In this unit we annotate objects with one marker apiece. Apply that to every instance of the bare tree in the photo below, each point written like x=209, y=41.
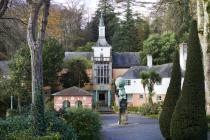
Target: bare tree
x=203, y=14
x=3, y=6
x=39, y=9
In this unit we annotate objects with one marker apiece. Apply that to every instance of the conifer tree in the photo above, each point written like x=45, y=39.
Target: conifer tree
x=171, y=98
x=189, y=118
x=126, y=36
x=110, y=20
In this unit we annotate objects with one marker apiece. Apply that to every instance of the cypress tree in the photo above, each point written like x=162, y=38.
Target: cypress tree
x=171, y=98
x=189, y=118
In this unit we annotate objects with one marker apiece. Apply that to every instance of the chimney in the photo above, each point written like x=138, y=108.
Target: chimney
x=183, y=55
x=149, y=60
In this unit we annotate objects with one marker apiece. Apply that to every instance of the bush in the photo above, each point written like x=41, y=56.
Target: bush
x=171, y=98
x=19, y=128
x=132, y=109
x=56, y=124
x=27, y=134
x=85, y=122
x=147, y=109
x=189, y=118
x=13, y=125
x=11, y=112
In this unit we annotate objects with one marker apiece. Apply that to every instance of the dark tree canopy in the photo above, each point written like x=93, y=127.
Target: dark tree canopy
x=76, y=75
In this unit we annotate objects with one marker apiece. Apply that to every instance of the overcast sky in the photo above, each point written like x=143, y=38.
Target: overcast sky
x=91, y=5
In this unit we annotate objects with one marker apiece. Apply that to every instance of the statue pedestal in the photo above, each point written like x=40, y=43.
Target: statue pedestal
x=123, y=116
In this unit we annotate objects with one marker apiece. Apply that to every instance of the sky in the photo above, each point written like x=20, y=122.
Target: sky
x=91, y=5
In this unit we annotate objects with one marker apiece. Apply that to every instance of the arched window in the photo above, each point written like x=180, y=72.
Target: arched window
x=78, y=104
x=66, y=104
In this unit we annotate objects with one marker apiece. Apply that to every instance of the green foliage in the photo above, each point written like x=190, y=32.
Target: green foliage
x=26, y=135
x=12, y=112
x=171, y=98
x=86, y=48
x=143, y=30
x=189, y=118
x=149, y=78
x=57, y=124
x=20, y=128
x=13, y=125
x=53, y=55
x=85, y=122
x=126, y=35
x=77, y=75
x=161, y=47
x=110, y=21
x=147, y=109
x=20, y=66
x=132, y=109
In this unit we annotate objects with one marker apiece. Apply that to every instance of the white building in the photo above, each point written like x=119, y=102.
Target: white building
x=134, y=87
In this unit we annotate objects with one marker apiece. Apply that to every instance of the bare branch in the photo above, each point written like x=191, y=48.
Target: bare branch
x=13, y=18
x=3, y=6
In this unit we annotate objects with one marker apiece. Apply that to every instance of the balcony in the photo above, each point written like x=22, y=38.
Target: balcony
x=102, y=59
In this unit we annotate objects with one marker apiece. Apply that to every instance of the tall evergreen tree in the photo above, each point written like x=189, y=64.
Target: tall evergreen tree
x=110, y=20
x=127, y=34
x=189, y=118
x=171, y=98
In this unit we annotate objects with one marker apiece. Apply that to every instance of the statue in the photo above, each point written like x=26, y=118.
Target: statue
x=120, y=83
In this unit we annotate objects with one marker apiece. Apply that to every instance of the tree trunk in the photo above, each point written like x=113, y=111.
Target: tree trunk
x=37, y=92
x=203, y=28
x=145, y=95
x=35, y=37
x=19, y=104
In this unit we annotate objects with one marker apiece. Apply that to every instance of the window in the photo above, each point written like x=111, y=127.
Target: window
x=102, y=73
x=159, y=98
x=129, y=97
x=127, y=82
x=159, y=83
x=66, y=104
x=141, y=96
x=78, y=104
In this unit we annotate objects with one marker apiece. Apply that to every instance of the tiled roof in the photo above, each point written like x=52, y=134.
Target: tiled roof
x=164, y=70
x=72, y=91
x=125, y=59
x=119, y=59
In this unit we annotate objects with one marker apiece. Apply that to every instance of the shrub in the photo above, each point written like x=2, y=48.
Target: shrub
x=27, y=134
x=11, y=112
x=85, y=122
x=147, y=109
x=171, y=98
x=13, y=125
x=132, y=109
x=19, y=128
x=189, y=118
x=56, y=124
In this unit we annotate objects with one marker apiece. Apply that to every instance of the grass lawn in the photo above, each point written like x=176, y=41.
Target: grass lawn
x=154, y=116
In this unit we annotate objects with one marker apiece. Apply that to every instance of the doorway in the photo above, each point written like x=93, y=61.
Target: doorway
x=102, y=98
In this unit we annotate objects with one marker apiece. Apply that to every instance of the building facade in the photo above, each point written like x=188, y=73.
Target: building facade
x=102, y=69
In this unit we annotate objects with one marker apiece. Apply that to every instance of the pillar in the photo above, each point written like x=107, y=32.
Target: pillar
x=109, y=99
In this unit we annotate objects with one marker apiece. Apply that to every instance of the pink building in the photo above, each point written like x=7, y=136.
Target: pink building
x=73, y=97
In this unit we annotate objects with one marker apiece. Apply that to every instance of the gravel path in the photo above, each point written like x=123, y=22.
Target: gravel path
x=139, y=128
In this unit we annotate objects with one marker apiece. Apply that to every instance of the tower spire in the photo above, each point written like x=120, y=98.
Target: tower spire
x=101, y=27
x=101, y=23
